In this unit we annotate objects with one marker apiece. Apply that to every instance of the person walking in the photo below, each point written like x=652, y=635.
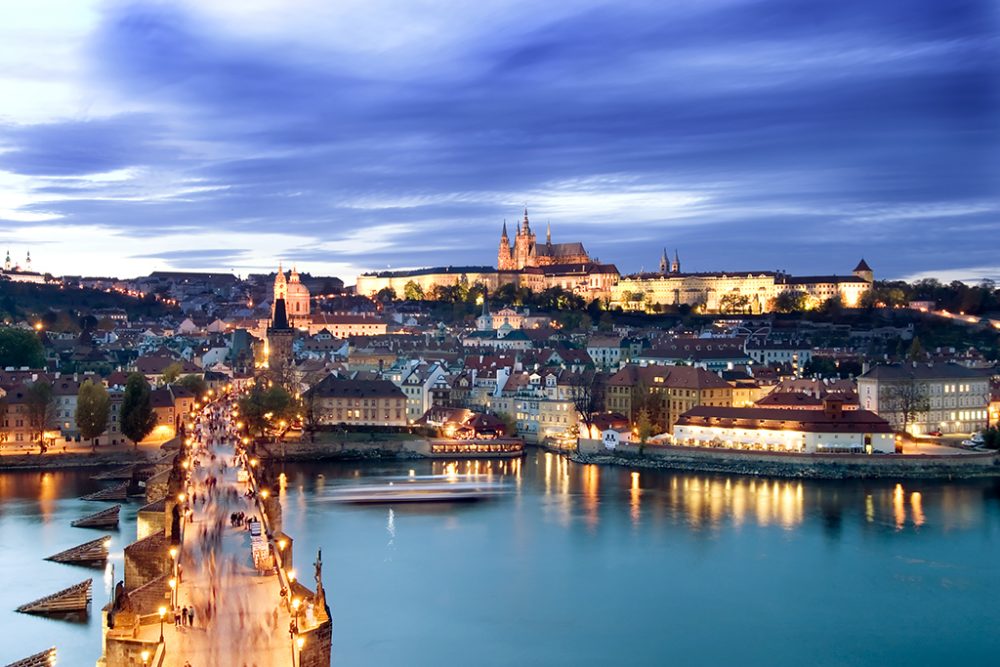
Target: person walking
x=184, y=615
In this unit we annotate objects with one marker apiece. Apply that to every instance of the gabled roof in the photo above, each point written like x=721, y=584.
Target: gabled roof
x=862, y=266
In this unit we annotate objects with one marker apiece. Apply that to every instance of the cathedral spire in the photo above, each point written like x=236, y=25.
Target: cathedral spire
x=503, y=234
x=548, y=232
x=676, y=266
x=526, y=227
x=663, y=262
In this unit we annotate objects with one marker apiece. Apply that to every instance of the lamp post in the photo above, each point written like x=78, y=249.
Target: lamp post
x=173, y=592
x=145, y=658
x=163, y=612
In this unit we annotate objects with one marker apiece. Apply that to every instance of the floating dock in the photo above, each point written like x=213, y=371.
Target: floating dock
x=104, y=519
x=93, y=553
x=74, y=598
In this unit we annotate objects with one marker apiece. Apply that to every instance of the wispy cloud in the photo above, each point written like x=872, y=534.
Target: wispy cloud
x=364, y=134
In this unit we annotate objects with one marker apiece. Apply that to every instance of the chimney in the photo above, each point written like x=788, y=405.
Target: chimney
x=833, y=406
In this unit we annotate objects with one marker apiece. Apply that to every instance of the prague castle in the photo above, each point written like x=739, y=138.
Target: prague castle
x=526, y=253
x=526, y=263
x=538, y=266
x=734, y=291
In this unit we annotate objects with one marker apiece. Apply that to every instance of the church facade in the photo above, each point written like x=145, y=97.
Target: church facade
x=525, y=252
x=523, y=263
x=295, y=295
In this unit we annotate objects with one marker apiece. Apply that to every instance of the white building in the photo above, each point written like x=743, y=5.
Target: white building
x=949, y=398
x=787, y=430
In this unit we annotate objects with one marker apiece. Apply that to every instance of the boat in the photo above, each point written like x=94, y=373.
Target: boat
x=417, y=491
x=500, y=448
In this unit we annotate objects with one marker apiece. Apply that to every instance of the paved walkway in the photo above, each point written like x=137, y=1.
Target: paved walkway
x=239, y=620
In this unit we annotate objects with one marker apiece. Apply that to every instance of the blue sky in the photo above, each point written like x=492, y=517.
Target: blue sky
x=364, y=134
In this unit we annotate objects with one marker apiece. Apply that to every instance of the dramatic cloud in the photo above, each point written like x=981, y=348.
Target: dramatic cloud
x=749, y=134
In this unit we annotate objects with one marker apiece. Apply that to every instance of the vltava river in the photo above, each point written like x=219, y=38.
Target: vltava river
x=580, y=565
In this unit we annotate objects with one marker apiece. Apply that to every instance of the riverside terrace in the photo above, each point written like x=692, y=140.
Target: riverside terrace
x=248, y=606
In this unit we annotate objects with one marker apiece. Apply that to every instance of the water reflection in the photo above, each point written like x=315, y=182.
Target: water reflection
x=593, y=495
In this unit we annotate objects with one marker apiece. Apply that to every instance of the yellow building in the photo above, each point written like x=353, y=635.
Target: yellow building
x=738, y=292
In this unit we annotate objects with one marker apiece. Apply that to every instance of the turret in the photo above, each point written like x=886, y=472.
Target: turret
x=863, y=271
x=676, y=266
x=7, y=263
x=504, y=259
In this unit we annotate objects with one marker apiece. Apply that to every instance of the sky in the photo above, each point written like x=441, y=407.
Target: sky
x=352, y=135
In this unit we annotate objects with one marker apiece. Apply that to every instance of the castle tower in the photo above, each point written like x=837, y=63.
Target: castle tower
x=524, y=244
x=7, y=266
x=505, y=262
x=27, y=262
x=863, y=271
x=280, y=288
x=676, y=266
x=280, y=337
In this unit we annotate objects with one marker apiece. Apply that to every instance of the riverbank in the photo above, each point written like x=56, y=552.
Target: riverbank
x=801, y=466
x=346, y=450
x=58, y=461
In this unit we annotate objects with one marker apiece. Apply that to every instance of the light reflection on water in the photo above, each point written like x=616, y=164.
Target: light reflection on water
x=578, y=557
x=36, y=508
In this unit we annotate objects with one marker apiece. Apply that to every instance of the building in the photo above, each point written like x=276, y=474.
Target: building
x=339, y=401
x=751, y=292
x=18, y=274
x=665, y=392
x=525, y=264
x=525, y=252
x=828, y=430
x=295, y=295
x=280, y=339
x=927, y=398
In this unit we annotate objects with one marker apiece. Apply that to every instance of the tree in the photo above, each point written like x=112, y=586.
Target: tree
x=643, y=427
x=172, y=372
x=20, y=348
x=905, y=401
x=137, y=416
x=413, y=292
x=40, y=402
x=386, y=295
x=734, y=302
x=586, y=395
x=916, y=351
x=266, y=405
x=790, y=302
x=92, y=408
x=195, y=384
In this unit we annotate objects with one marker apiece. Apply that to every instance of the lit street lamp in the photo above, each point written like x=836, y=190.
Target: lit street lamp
x=163, y=612
x=145, y=658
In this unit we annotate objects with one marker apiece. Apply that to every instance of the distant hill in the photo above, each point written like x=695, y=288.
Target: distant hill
x=31, y=301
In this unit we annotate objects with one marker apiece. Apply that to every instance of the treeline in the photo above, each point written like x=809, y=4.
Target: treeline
x=955, y=296
x=61, y=308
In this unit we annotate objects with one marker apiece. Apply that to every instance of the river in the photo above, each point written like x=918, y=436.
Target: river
x=581, y=565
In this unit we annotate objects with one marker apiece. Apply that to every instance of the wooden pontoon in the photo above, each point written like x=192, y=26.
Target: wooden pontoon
x=104, y=519
x=124, y=472
x=116, y=492
x=44, y=659
x=93, y=553
x=74, y=598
